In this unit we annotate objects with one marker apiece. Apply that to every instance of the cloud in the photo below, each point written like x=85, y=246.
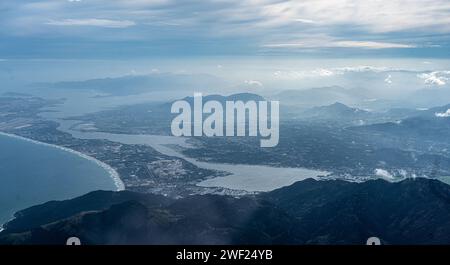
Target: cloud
x=306, y=21
x=298, y=75
x=234, y=26
x=443, y=114
x=375, y=16
x=336, y=71
x=388, y=79
x=253, y=83
x=438, y=78
x=370, y=45
x=368, y=68
x=323, y=72
x=95, y=22
x=340, y=44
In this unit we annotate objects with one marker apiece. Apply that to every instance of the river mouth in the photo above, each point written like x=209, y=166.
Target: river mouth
x=240, y=177
x=249, y=178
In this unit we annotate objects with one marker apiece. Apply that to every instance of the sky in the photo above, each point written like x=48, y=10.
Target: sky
x=114, y=29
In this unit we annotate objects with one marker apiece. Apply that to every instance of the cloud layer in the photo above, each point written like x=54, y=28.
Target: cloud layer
x=106, y=23
x=230, y=26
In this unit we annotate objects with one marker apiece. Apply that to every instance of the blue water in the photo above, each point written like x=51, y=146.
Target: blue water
x=31, y=174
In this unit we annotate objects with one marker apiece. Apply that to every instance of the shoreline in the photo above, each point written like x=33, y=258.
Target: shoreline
x=113, y=174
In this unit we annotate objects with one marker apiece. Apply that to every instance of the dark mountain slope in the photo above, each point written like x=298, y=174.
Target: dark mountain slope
x=307, y=212
x=93, y=201
x=409, y=212
x=208, y=219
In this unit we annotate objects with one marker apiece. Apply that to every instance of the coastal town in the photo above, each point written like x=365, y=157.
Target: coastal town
x=140, y=167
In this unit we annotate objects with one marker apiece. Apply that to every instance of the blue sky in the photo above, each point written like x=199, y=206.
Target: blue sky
x=77, y=29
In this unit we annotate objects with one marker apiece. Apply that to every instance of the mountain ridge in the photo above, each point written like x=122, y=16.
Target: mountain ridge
x=413, y=211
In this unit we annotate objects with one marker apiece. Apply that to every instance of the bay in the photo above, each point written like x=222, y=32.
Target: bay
x=32, y=173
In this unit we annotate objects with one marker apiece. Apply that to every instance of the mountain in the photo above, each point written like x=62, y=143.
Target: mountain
x=432, y=125
x=401, y=113
x=150, y=118
x=245, y=97
x=337, y=112
x=413, y=211
x=321, y=96
x=137, y=84
x=343, y=115
x=436, y=112
x=95, y=201
x=342, y=213
x=208, y=219
x=430, y=96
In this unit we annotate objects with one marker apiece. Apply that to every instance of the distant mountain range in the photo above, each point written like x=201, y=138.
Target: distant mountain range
x=152, y=118
x=429, y=97
x=343, y=115
x=432, y=124
x=337, y=112
x=233, y=97
x=138, y=84
x=320, y=96
x=414, y=211
x=362, y=97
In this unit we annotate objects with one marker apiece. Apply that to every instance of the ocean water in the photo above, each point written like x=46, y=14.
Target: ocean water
x=33, y=173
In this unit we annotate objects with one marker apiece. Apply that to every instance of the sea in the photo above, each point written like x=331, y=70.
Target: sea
x=33, y=173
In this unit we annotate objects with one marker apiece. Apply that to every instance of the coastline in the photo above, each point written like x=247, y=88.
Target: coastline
x=114, y=175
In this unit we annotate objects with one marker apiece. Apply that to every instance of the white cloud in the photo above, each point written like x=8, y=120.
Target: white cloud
x=370, y=45
x=367, y=68
x=95, y=22
x=339, y=44
x=383, y=173
x=141, y=3
x=335, y=71
x=323, y=72
x=388, y=79
x=376, y=16
x=438, y=78
x=253, y=83
x=306, y=21
x=443, y=114
x=297, y=75
x=273, y=24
